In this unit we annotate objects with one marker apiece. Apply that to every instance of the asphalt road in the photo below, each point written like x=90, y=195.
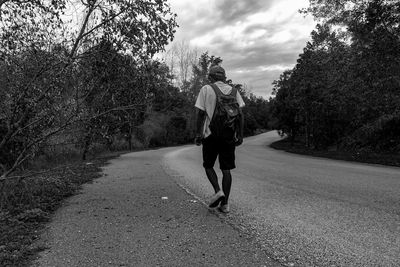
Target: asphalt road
x=305, y=211
x=137, y=215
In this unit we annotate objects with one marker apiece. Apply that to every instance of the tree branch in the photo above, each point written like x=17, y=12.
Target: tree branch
x=2, y=2
x=24, y=155
x=122, y=108
x=15, y=126
x=26, y=126
x=35, y=173
x=102, y=23
x=21, y=158
x=81, y=32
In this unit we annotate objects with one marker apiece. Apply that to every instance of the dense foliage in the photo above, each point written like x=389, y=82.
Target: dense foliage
x=61, y=83
x=344, y=90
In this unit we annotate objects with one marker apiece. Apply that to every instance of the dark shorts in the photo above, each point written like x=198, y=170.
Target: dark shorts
x=213, y=148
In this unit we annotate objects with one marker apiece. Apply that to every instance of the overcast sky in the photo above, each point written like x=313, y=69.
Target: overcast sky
x=257, y=39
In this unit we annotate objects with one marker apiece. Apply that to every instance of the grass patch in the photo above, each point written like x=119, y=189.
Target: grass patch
x=357, y=156
x=26, y=206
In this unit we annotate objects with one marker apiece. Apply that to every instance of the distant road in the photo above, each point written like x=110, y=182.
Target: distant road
x=306, y=211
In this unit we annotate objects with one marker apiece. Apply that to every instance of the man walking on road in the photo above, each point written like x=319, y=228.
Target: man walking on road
x=219, y=127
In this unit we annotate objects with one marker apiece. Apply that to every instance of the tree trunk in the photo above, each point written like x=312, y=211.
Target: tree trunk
x=130, y=137
x=87, y=143
x=307, y=130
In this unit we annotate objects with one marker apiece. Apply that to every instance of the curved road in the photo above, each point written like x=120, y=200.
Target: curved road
x=303, y=210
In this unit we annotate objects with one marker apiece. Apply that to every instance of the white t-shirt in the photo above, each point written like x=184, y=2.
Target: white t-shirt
x=206, y=101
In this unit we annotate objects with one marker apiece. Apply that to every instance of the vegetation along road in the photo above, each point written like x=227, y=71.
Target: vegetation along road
x=306, y=211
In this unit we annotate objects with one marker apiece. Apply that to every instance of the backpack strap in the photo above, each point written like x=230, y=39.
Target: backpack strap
x=216, y=89
x=234, y=91
x=218, y=92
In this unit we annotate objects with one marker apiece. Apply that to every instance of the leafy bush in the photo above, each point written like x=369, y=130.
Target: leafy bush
x=381, y=135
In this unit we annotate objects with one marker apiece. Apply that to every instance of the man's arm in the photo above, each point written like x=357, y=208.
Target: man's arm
x=241, y=126
x=200, y=117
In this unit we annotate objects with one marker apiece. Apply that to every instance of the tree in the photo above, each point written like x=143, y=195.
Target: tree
x=285, y=106
x=346, y=80
x=39, y=58
x=200, y=74
x=140, y=28
x=28, y=25
x=181, y=58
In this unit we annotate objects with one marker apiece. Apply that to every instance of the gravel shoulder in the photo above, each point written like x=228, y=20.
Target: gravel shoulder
x=136, y=215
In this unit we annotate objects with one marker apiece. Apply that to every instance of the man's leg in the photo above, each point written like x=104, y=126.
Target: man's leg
x=226, y=185
x=213, y=178
x=210, y=154
x=227, y=163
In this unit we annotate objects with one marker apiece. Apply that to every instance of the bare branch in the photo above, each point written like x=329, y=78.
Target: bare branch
x=81, y=32
x=3, y=2
x=71, y=120
x=15, y=126
x=27, y=126
x=21, y=158
x=122, y=108
x=30, y=174
x=23, y=155
x=102, y=23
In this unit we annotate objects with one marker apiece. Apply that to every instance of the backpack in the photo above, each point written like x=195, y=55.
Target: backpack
x=225, y=120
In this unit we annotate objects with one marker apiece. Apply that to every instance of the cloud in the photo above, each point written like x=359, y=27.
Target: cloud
x=231, y=11
x=257, y=81
x=257, y=39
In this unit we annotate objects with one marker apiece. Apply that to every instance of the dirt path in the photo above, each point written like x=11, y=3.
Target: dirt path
x=124, y=219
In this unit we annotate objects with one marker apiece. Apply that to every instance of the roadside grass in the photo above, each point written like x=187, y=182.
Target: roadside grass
x=357, y=156
x=27, y=204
